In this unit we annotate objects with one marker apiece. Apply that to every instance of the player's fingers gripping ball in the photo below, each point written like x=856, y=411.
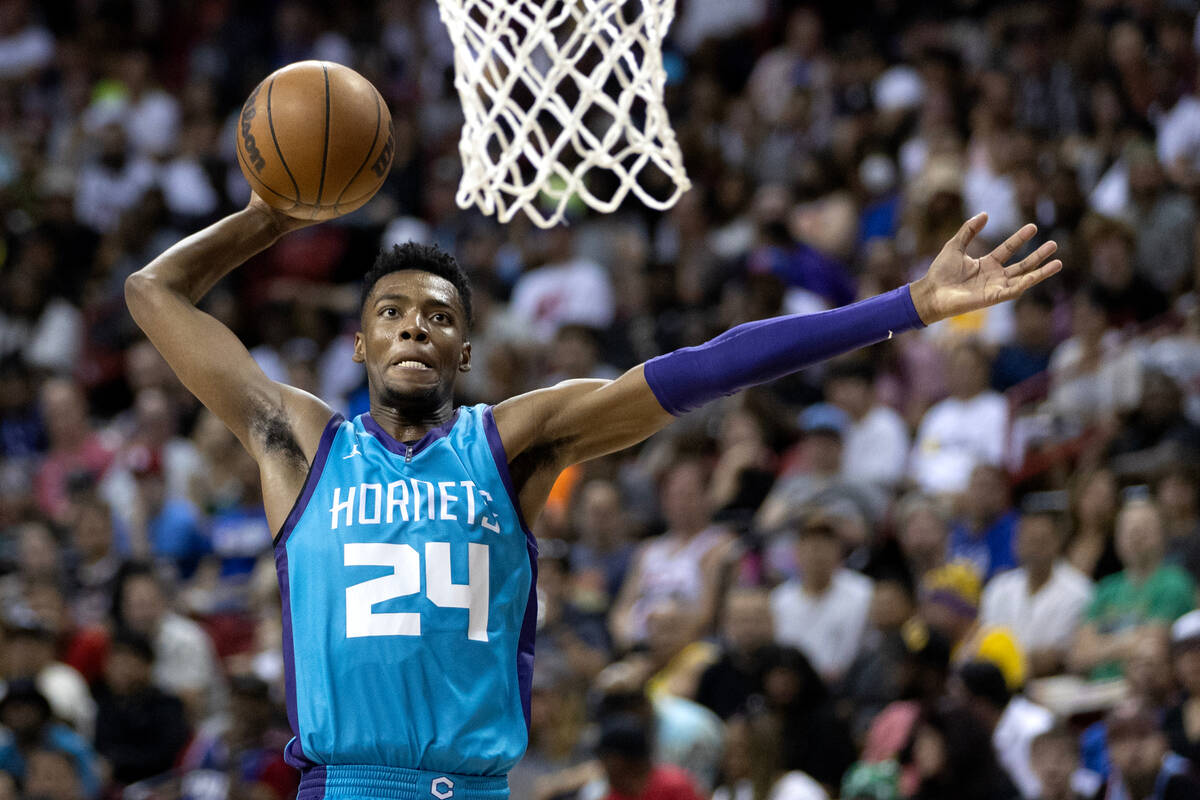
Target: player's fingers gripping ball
x=315, y=140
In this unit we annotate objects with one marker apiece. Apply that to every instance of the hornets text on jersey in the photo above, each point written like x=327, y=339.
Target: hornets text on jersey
x=406, y=573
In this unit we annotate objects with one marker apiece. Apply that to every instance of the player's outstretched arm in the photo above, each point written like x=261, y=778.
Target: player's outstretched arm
x=208, y=358
x=578, y=420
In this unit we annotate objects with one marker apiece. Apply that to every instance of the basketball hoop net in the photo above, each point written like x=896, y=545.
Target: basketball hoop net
x=563, y=103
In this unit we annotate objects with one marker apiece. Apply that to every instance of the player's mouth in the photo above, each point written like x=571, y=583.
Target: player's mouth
x=412, y=364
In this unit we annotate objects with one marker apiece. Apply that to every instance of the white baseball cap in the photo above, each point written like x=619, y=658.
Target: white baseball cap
x=1186, y=629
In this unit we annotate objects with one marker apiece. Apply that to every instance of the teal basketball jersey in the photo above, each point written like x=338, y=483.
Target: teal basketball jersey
x=407, y=578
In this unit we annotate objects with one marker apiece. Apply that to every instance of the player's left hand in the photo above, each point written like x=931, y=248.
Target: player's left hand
x=957, y=283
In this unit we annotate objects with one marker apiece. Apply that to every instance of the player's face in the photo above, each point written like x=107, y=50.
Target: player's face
x=413, y=339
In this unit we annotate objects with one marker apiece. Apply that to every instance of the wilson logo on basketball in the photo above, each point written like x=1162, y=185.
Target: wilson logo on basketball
x=381, y=165
x=248, y=143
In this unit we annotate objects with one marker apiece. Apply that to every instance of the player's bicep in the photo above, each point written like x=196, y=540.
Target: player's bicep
x=582, y=419
x=212, y=363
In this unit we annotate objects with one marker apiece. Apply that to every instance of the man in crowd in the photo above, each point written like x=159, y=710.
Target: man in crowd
x=1136, y=603
x=1042, y=601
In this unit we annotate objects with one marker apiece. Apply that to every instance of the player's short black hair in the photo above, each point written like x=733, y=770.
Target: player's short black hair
x=424, y=258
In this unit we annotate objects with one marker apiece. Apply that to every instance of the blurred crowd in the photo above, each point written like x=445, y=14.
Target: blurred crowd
x=959, y=564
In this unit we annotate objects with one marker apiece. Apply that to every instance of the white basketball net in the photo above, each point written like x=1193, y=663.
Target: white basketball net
x=554, y=89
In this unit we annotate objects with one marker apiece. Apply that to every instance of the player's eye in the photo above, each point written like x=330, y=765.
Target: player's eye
x=440, y=318
x=389, y=311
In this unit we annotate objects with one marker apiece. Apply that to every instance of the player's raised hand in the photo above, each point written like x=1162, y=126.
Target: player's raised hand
x=957, y=282
x=281, y=222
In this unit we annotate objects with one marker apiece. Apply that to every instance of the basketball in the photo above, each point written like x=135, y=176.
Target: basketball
x=314, y=140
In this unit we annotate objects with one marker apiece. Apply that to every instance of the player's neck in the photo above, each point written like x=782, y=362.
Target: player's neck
x=409, y=425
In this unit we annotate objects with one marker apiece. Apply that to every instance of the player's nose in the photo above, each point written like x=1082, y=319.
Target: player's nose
x=414, y=328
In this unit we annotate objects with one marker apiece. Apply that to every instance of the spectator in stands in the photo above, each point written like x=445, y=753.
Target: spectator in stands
x=1143, y=765
x=140, y=729
x=603, y=549
x=949, y=603
x=1135, y=603
x=1093, y=375
x=1043, y=601
x=985, y=532
x=823, y=611
x=1012, y=720
x=74, y=446
x=1094, y=504
x=83, y=648
x=1033, y=341
x=966, y=429
x=745, y=469
x=814, y=472
x=876, y=676
x=1182, y=721
x=876, y=444
x=29, y=727
x=1128, y=297
x=953, y=758
x=747, y=632
x=26, y=46
x=246, y=744
x=812, y=738
x=624, y=751
x=170, y=526
x=1157, y=433
x=1177, y=493
x=565, y=288
x=1054, y=757
x=685, y=562
x=29, y=650
x=1164, y=219
x=51, y=774
x=573, y=635
x=185, y=663
x=94, y=561
x=1149, y=686
x=923, y=535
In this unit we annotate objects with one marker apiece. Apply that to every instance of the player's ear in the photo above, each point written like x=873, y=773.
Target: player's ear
x=464, y=362
x=360, y=349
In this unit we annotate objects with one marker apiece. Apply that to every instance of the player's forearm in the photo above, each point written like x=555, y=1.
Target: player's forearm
x=762, y=351
x=194, y=265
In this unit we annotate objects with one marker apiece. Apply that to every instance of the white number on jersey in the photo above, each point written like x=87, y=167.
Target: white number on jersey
x=406, y=580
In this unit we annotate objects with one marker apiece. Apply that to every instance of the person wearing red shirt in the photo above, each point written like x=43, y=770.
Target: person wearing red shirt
x=624, y=751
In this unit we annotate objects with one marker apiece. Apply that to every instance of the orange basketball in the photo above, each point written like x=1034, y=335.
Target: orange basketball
x=315, y=140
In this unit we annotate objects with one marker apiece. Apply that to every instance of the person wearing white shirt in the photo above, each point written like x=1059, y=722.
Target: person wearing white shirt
x=823, y=613
x=969, y=427
x=1043, y=601
x=875, y=444
x=566, y=289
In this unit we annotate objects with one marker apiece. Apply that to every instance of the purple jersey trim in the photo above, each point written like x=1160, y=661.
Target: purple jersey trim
x=310, y=480
x=292, y=753
x=312, y=782
x=525, y=643
x=401, y=448
x=528, y=634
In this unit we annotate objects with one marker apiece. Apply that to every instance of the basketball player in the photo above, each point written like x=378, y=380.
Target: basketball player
x=404, y=553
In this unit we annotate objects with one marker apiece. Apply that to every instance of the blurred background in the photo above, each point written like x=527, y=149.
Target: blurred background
x=960, y=564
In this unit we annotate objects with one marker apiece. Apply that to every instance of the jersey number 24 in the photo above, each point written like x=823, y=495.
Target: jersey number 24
x=405, y=580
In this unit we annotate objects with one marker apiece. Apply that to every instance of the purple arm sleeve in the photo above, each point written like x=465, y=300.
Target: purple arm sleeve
x=762, y=351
